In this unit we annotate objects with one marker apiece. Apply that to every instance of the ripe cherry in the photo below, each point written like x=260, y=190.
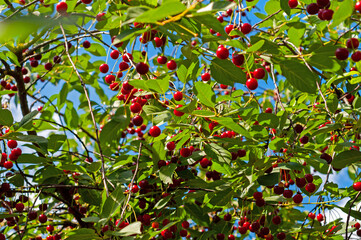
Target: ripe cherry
x=62, y=7
x=137, y=120
x=311, y=215
x=135, y=189
x=312, y=8
x=252, y=83
x=276, y=220
x=297, y=198
x=50, y=228
x=185, y=152
x=19, y=207
x=257, y=195
x=123, y=66
x=183, y=233
x=309, y=178
x=358, y=6
x=170, y=146
x=341, y=53
x=158, y=42
x=86, y=1
x=142, y=68
x=12, y=144
x=356, y=56
x=135, y=107
x=229, y=28
x=304, y=139
x=114, y=54
x=171, y=65
x=162, y=59
x=357, y=186
x=127, y=57
x=99, y=17
x=319, y=217
x=178, y=96
x=259, y=73
x=246, y=28
x=220, y=19
x=104, y=68
x=237, y=59
x=43, y=218
x=222, y=53
x=206, y=77
x=310, y=187
x=154, y=131
x=178, y=113
x=268, y=110
x=292, y=3
x=185, y=224
x=86, y=44
x=281, y=236
x=109, y=79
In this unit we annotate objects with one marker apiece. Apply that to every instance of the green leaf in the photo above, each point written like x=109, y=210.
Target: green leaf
x=131, y=229
x=90, y=196
x=342, y=12
x=285, y=7
x=97, y=50
x=217, y=6
x=205, y=94
x=55, y=141
x=162, y=202
x=229, y=123
x=225, y=72
x=6, y=118
x=83, y=234
x=269, y=179
x=166, y=173
x=197, y=214
x=27, y=118
x=159, y=85
x=268, y=119
x=217, y=152
x=128, y=34
x=31, y=159
x=168, y=8
x=346, y=158
x=112, y=203
x=62, y=95
x=299, y=76
x=255, y=47
x=91, y=219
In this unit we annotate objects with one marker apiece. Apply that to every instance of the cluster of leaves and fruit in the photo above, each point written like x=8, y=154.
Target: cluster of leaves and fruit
x=144, y=119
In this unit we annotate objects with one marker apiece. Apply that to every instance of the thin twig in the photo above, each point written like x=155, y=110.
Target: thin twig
x=131, y=184
x=20, y=9
x=263, y=20
x=349, y=214
x=91, y=111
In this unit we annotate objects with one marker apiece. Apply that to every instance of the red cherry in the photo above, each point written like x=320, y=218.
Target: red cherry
x=142, y=68
x=135, y=189
x=304, y=139
x=12, y=144
x=86, y=44
x=229, y=28
x=257, y=195
x=246, y=28
x=220, y=236
x=292, y=3
x=62, y=7
x=50, y=228
x=154, y=131
x=206, y=77
x=19, y=207
x=297, y=198
x=281, y=236
x=220, y=19
x=137, y=120
x=178, y=113
x=319, y=217
x=114, y=86
x=287, y=193
x=327, y=14
x=123, y=66
x=237, y=59
x=185, y=224
x=268, y=110
x=104, y=68
x=358, y=233
x=109, y=79
x=276, y=220
x=252, y=83
x=43, y=218
x=358, y=6
x=222, y=53
x=341, y=53
x=185, y=152
x=311, y=215
x=135, y=107
x=171, y=146
x=158, y=42
x=127, y=57
x=178, y=96
x=323, y=3
x=309, y=178
x=357, y=225
x=259, y=73
x=162, y=59
x=356, y=56
x=310, y=187
x=114, y=54
x=183, y=233
x=171, y=65
x=357, y=186
x=312, y=8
